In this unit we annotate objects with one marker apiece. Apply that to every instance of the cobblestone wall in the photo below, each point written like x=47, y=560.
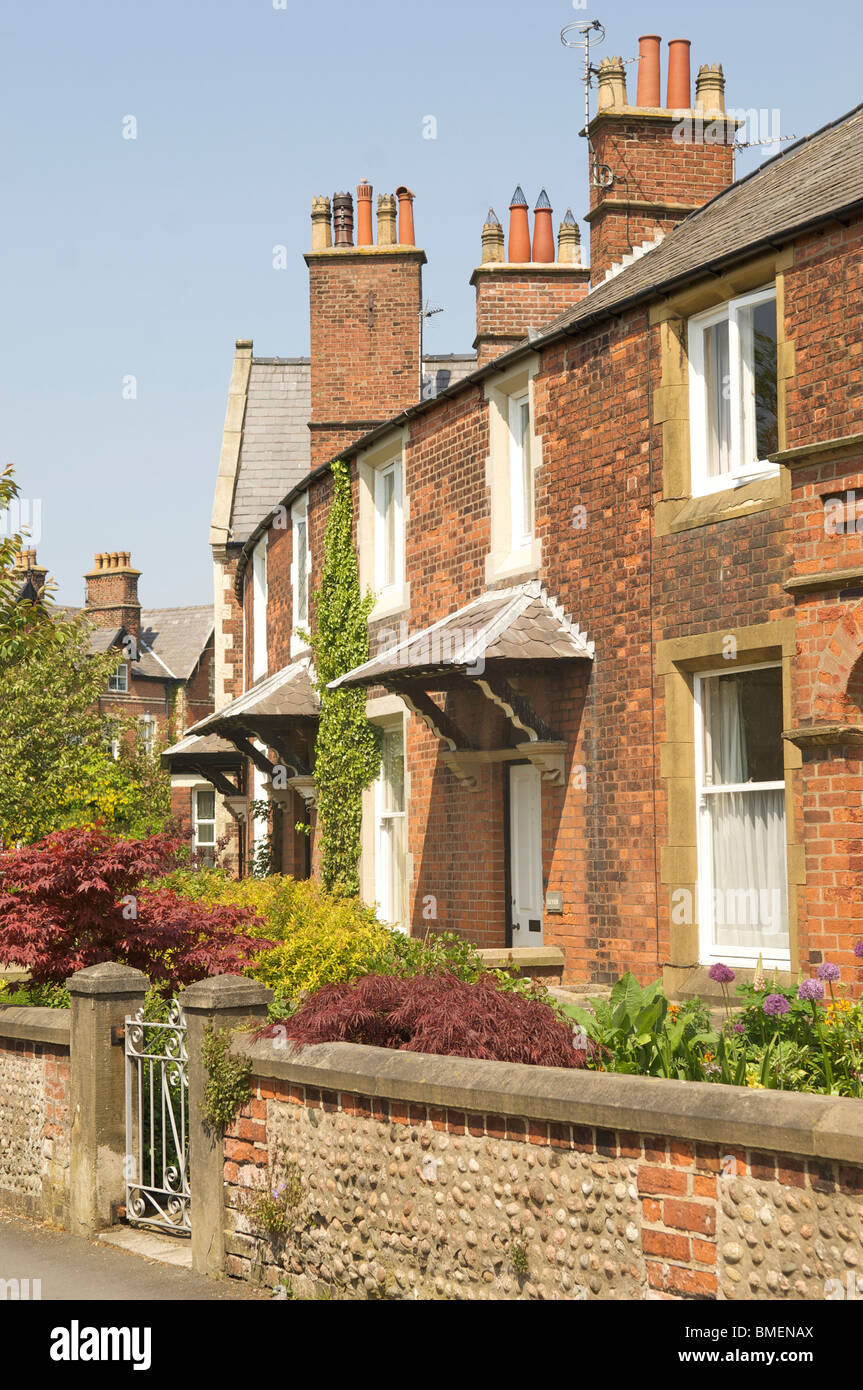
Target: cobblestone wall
x=34, y=1129
x=408, y=1201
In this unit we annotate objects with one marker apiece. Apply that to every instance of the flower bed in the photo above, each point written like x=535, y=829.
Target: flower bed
x=808, y=1037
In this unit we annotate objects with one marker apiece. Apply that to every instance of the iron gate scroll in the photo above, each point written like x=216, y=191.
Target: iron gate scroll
x=157, y=1122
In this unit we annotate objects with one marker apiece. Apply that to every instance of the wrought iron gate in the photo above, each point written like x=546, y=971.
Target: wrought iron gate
x=157, y=1129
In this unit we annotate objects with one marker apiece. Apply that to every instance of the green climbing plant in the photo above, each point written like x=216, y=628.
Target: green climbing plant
x=347, y=751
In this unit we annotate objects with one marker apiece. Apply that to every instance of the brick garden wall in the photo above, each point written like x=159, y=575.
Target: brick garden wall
x=35, y=1122
x=407, y=1195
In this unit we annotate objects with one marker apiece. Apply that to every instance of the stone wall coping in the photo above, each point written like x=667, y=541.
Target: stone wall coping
x=28, y=1024
x=225, y=992
x=821, y=1127
x=522, y=955
x=110, y=980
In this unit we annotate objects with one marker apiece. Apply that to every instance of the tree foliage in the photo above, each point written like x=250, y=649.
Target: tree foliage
x=56, y=765
x=81, y=896
x=347, y=750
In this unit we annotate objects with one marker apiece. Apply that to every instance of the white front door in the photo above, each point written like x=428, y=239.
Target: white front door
x=525, y=855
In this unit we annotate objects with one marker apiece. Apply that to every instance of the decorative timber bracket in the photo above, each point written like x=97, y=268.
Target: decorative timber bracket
x=218, y=780
x=442, y=726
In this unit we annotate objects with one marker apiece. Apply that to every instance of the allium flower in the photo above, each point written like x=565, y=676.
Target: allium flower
x=811, y=990
x=828, y=971
x=723, y=974
x=775, y=1004
x=741, y=1027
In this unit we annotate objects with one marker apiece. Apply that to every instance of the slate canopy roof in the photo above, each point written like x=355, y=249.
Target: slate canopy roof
x=521, y=624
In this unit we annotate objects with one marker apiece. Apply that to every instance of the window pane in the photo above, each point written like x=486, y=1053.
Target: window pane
x=388, y=484
x=742, y=715
x=526, y=474
x=749, y=906
x=763, y=337
x=206, y=803
x=302, y=574
x=718, y=404
x=393, y=770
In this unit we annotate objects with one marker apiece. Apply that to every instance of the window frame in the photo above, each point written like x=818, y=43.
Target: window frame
x=386, y=587
x=299, y=622
x=382, y=848
x=709, y=951
x=701, y=484
x=148, y=725
x=260, y=660
x=198, y=820
x=521, y=480
x=122, y=670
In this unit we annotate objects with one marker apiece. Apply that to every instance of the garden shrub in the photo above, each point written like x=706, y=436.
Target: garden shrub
x=320, y=938
x=437, y=1014
x=78, y=897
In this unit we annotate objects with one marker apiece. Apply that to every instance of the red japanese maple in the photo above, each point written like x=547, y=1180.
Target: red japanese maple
x=435, y=1013
x=76, y=898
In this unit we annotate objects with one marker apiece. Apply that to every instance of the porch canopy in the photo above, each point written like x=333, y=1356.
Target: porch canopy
x=488, y=645
x=278, y=711
x=213, y=759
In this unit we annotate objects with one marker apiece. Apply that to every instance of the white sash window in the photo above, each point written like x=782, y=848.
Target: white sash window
x=740, y=788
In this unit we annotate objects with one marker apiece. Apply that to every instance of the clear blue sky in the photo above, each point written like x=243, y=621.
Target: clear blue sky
x=148, y=257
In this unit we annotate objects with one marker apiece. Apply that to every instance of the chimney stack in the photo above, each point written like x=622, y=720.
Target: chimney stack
x=365, y=236
x=112, y=592
x=679, y=84
x=365, y=317
x=518, y=292
x=656, y=165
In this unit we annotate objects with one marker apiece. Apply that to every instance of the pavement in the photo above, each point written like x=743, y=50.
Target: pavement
x=121, y=1265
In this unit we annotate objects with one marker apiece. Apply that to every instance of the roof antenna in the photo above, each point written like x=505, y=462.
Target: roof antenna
x=591, y=32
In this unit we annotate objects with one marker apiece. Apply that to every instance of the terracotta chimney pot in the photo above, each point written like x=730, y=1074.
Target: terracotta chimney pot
x=679, y=86
x=519, y=230
x=543, y=231
x=648, y=92
x=407, y=236
x=114, y=559
x=365, y=236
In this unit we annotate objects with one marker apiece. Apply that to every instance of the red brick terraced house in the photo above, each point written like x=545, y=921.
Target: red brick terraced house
x=164, y=678
x=617, y=646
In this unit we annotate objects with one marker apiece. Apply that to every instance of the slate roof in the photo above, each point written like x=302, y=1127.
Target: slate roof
x=290, y=693
x=809, y=180
x=519, y=624
x=177, y=637
x=275, y=450
x=172, y=639
x=204, y=749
